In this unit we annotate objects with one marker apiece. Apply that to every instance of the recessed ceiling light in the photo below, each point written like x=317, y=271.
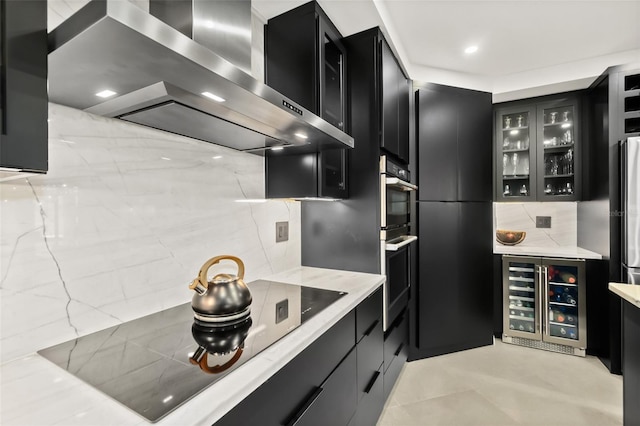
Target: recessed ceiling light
x=217, y=157
x=165, y=158
x=277, y=148
x=471, y=49
x=301, y=135
x=566, y=125
x=514, y=132
x=106, y=93
x=214, y=97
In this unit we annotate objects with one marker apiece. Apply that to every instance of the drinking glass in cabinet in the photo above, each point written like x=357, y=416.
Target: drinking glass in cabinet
x=525, y=165
x=552, y=117
x=507, y=122
x=514, y=163
x=549, y=189
x=524, y=190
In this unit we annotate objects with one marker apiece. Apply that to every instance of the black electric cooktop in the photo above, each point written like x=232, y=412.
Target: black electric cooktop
x=145, y=363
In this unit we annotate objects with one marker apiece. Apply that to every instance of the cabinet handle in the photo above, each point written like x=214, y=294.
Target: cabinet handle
x=540, y=294
x=305, y=407
x=399, y=349
x=372, y=382
x=370, y=329
x=546, y=299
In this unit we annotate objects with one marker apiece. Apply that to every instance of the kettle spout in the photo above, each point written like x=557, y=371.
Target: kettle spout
x=198, y=286
x=197, y=355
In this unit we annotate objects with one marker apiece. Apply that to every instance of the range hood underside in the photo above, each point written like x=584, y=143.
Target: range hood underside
x=159, y=75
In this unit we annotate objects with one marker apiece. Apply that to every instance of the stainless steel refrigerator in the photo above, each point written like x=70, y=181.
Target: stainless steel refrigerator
x=630, y=185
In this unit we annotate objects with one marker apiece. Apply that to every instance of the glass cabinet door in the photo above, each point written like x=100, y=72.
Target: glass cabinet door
x=521, y=316
x=565, y=304
x=332, y=76
x=557, y=152
x=333, y=173
x=516, y=154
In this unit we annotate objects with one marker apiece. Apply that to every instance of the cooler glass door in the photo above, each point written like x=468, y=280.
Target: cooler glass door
x=565, y=321
x=522, y=304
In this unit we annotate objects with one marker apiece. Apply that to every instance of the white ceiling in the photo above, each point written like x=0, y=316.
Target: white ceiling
x=525, y=47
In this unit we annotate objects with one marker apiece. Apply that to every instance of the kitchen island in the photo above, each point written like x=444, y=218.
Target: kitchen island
x=630, y=295
x=35, y=391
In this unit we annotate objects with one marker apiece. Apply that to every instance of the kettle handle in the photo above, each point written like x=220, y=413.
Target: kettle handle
x=201, y=284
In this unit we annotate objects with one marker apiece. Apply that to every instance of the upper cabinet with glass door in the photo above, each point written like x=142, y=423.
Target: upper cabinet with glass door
x=559, y=135
x=516, y=153
x=537, y=149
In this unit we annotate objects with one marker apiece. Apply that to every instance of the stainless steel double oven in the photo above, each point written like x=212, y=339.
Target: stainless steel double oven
x=397, y=195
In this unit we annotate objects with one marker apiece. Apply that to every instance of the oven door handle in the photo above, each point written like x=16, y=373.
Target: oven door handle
x=400, y=184
x=406, y=240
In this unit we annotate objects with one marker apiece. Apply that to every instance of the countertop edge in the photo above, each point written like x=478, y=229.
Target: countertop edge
x=628, y=292
x=31, y=385
x=561, y=252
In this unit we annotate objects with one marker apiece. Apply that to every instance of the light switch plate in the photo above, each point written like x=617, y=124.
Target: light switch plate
x=543, y=221
x=282, y=231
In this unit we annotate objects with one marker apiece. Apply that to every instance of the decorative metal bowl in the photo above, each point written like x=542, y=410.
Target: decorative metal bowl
x=510, y=238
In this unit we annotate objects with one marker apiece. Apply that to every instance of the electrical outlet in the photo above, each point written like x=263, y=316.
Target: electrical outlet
x=543, y=221
x=282, y=231
x=282, y=310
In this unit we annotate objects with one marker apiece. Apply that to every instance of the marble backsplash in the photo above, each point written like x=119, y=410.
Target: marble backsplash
x=522, y=217
x=120, y=224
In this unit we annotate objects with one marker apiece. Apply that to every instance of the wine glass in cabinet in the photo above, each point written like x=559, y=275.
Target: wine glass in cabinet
x=515, y=128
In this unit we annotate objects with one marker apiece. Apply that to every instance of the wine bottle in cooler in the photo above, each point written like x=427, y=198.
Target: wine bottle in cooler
x=568, y=298
x=568, y=277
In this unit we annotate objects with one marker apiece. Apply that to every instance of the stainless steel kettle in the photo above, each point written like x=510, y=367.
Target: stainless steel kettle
x=225, y=299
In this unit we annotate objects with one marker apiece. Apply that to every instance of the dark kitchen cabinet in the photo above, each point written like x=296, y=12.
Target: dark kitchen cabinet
x=337, y=380
x=394, y=90
x=453, y=138
x=538, y=149
x=369, y=336
x=388, y=92
x=306, y=175
x=631, y=363
x=283, y=398
x=23, y=85
x=455, y=288
x=612, y=103
x=396, y=350
x=306, y=61
x=334, y=402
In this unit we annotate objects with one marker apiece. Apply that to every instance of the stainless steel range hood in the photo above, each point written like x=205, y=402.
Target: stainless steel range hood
x=160, y=76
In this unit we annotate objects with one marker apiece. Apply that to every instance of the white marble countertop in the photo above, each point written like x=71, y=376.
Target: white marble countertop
x=564, y=251
x=37, y=392
x=629, y=292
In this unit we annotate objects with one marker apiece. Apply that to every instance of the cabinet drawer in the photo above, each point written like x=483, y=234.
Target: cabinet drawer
x=367, y=313
x=334, y=402
x=392, y=373
x=370, y=357
x=396, y=339
x=371, y=405
x=281, y=397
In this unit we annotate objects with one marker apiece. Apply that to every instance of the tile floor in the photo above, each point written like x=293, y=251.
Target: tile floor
x=505, y=385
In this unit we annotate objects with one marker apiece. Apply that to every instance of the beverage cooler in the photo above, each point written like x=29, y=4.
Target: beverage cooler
x=544, y=303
